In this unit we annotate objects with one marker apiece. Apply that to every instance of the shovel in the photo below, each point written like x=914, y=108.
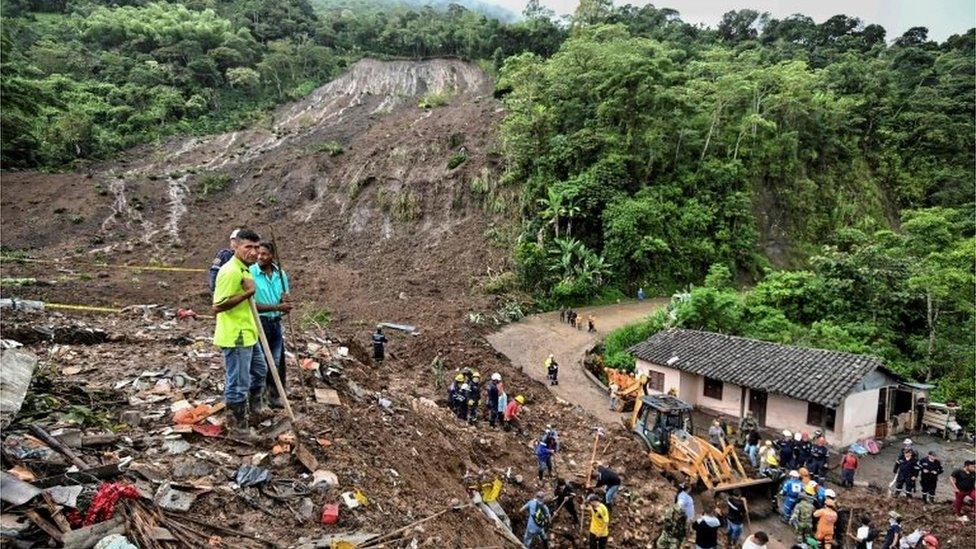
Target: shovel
x=301, y=452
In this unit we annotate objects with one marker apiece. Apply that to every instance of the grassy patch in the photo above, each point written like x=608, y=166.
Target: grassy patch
x=456, y=160
x=315, y=318
x=332, y=148
x=435, y=99
x=213, y=183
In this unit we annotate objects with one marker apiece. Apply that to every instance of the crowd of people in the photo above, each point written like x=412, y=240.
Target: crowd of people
x=248, y=272
x=576, y=320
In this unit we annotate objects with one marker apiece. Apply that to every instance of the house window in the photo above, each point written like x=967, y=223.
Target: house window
x=713, y=388
x=655, y=381
x=818, y=415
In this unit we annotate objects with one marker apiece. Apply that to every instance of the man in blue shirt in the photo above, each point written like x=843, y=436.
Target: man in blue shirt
x=537, y=522
x=271, y=296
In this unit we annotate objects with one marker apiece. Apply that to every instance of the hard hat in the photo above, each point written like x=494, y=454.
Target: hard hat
x=811, y=487
x=794, y=474
x=459, y=377
x=496, y=376
x=551, y=355
x=787, y=433
x=797, y=437
x=476, y=375
x=464, y=387
x=908, y=442
x=930, y=541
x=520, y=399
x=830, y=494
x=768, y=443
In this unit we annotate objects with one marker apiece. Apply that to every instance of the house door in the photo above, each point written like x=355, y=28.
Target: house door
x=757, y=405
x=881, y=421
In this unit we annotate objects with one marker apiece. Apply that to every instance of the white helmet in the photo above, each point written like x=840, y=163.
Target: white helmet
x=787, y=433
x=908, y=442
x=795, y=474
x=465, y=387
x=797, y=437
x=830, y=494
x=496, y=376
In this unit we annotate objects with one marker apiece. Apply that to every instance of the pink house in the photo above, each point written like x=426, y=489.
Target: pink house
x=847, y=396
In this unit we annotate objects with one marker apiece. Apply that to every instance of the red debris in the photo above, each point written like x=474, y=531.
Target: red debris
x=103, y=504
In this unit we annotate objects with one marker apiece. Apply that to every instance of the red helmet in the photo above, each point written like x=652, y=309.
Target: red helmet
x=930, y=541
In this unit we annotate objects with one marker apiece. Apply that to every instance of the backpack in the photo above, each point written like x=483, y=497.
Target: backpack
x=541, y=516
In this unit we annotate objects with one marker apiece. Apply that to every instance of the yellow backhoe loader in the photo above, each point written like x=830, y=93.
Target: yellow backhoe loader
x=665, y=425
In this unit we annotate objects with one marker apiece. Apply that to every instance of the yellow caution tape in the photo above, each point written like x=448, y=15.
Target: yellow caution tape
x=81, y=308
x=110, y=266
x=73, y=307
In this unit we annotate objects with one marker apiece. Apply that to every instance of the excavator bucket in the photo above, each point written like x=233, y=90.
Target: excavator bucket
x=747, y=483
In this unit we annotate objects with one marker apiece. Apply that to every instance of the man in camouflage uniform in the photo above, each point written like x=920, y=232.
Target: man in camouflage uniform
x=746, y=425
x=802, y=518
x=675, y=529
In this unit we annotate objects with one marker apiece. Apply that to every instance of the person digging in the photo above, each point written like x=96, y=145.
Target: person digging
x=236, y=334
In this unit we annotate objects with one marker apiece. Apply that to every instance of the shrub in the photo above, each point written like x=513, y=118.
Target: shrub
x=456, y=160
x=213, y=182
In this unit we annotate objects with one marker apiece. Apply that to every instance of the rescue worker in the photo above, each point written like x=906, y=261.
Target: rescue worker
x=453, y=390
x=930, y=467
x=716, y=434
x=599, y=522
x=816, y=493
x=848, y=466
x=675, y=528
x=379, y=344
x=552, y=370
x=906, y=470
x=801, y=450
x=752, y=447
x=551, y=438
x=768, y=458
x=801, y=519
x=605, y=477
x=538, y=521
x=474, y=397
x=591, y=324
x=826, y=518
x=494, y=389
x=892, y=537
x=543, y=453
x=565, y=493
x=790, y=491
x=461, y=399
x=818, y=457
x=512, y=412
x=785, y=448
x=804, y=476
x=747, y=425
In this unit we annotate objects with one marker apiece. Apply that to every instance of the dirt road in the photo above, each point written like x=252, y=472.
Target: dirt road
x=528, y=342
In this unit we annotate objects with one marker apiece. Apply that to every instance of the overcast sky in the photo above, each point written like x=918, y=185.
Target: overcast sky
x=942, y=17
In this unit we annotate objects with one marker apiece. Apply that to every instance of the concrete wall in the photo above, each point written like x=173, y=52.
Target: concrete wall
x=731, y=403
x=672, y=376
x=860, y=415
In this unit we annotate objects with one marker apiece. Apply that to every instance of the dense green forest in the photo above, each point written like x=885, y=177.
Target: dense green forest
x=646, y=152
x=84, y=79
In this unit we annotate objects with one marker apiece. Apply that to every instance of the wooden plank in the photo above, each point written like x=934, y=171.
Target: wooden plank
x=324, y=395
x=43, y=524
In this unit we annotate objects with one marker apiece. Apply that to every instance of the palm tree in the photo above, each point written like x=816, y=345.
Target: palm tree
x=552, y=208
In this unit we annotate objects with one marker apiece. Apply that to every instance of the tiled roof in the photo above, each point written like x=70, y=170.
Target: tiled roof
x=814, y=375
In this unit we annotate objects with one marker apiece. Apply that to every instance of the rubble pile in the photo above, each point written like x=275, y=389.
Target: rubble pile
x=372, y=451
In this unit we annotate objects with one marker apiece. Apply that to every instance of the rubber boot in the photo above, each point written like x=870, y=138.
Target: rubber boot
x=238, y=427
x=258, y=407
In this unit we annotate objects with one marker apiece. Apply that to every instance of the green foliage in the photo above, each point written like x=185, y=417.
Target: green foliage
x=83, y=80
x=313, y=317
x=456, y=160
x=434, y=99
x=332, y=148
x=212, y=183
x=667, y=149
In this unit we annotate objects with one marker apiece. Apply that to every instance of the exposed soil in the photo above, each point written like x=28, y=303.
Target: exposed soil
x=384, y=231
